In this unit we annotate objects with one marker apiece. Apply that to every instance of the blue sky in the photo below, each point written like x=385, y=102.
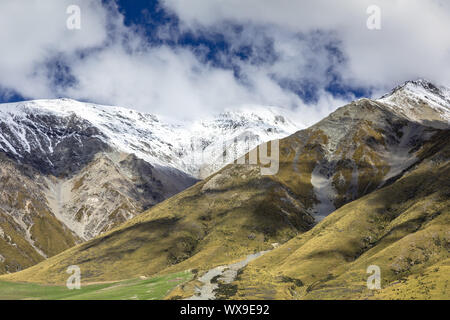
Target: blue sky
x=192, y=58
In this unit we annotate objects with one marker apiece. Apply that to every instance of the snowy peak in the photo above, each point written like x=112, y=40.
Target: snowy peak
x=40, y=126
x=424, y=89
x=203, y=147
x=257, y=116
x=421, y=101
x=367, y=144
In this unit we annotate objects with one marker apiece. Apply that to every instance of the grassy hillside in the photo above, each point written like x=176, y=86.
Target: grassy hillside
x=233, y=213
x=402, y=228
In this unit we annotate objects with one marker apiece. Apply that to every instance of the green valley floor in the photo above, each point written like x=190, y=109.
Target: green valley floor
x=135, y=289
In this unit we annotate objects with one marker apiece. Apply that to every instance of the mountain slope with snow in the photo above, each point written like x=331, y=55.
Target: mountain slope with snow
x=420, y=101
x=194, y=148
x=89, y=168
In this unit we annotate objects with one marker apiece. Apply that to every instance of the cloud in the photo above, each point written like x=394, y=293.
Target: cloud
x=413, y=41
x=309, y=56
x=33, y=32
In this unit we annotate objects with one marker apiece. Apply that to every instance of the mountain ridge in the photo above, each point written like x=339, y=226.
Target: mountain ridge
x=421, y=101
x=186, y=147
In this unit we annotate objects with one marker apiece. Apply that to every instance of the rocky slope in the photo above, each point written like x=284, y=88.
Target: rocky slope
x=361, y=159
x=111, y=189
x=29, y=231
x=48, y=214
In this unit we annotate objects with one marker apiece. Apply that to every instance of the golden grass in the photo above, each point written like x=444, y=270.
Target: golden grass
x=403, y=228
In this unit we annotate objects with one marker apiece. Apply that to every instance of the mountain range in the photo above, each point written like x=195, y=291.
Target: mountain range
x=367, y=185
x=73, y=170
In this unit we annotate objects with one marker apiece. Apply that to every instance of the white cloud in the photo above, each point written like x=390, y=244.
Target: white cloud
x=176, y=82
x=34, y=31
x=414, y=39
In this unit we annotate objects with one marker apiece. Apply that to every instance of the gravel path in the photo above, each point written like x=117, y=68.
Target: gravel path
x=227, y=274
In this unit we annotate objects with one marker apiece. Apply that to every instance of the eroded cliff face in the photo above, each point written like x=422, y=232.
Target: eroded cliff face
x=63, y=183
x=110, y=190
x=42, y=215
x=29, y=231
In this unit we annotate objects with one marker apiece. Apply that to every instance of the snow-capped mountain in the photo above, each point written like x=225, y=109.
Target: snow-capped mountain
x=195, y=148
x=71, y=170
x=369, y=143
x=420, y=101
x=207, y=146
